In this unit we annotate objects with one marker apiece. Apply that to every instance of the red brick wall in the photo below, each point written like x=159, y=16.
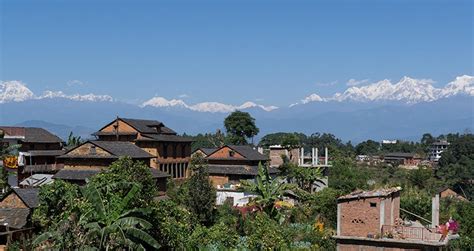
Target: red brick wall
x=358, y=218
x=361, y=247
x=224, y=153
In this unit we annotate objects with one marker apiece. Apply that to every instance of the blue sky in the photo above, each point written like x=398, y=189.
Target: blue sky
x=273, y=52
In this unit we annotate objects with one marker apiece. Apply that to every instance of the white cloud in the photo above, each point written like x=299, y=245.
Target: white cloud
x=184, y=95
x=353, y=82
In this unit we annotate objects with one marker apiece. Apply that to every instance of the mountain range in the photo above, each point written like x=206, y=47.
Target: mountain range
x=380, y=110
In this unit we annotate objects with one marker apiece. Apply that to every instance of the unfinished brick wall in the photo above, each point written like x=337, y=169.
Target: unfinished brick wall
x=359, y=247
x=360, y=217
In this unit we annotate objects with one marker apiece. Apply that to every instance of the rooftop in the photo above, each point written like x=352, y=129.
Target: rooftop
x=31, y=134
x=116, y=148
x=15, y=217
x=237, y=169
x=28, y=195
x=382, y=192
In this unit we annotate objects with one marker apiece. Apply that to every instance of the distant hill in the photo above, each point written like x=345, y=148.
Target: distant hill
x=355, y=121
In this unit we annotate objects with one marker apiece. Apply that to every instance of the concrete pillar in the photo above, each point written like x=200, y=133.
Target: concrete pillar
x=338, y=228
x=326, y=156
x=301, y=156
x=382, y=214
x=317, y=155
x=435, y=211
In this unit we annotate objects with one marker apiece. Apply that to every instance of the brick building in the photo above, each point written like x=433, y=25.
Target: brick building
x=405, y=159
x=228, y=165
x=370, y=221
x=38, y=149
x=170, y=152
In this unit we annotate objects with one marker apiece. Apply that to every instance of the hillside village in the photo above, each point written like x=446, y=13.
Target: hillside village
x=139, y=184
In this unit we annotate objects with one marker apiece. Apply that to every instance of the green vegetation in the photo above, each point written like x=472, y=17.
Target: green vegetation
x=240, y=126
x=117, y=208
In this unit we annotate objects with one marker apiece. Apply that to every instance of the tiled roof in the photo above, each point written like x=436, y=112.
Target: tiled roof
x=237, y=169
x=15, y=217
x=116, y=148
x=32, y=134
x=400, y=155
x=80, y=175
x=382, y=192
x=121, y=148
x=207, y=151
x=249, y=153
x=166, y=138
x=28, y=195
x=46, y=152
x=147, y=126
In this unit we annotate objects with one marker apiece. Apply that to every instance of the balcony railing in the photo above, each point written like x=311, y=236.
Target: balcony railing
x=410, y=233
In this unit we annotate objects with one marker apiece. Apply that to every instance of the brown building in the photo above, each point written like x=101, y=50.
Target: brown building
x=38, y=149
x=370, y=220
x=170, y=152
x=15, y=211
x=91, y=157
x=406, y=159
x=229, y=164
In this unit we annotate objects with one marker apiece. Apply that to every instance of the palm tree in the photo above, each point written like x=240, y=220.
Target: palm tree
x=113, y=224
x=267, y=190
x=107, y=224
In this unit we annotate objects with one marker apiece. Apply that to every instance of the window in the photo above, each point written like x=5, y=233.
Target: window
x=183, y=151
x=165, y=150
x=373, y=204
x=231, y=153
x=175, y=151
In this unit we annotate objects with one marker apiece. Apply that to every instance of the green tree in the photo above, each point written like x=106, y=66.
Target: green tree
x=127, y=170
x=113, y=225
x=57, y=201
x=201, y=194
x=73, y=141
x=346, y=177
x=172, y=224
x=368, y=147
x=455, y=165
x=240, y=126
x=267, y=190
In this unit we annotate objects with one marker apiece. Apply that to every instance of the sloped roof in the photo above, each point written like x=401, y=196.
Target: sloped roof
x=166, y=138
x=32, y=134
x=116, y=148
x=28, y=195
x=15, y=217
x=121, y=148
x=248, y=152
x=147, y=126
x=400, y=155
x=237, y=169
x=78, y=175
x=207, y=151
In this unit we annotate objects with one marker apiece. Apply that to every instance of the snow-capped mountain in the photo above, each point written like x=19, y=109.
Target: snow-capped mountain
x=14, y=91
x=407, y=90
x=204, y=106
x=77, y=97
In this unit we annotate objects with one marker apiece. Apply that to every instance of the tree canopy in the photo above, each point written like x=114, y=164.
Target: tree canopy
x=240, y=126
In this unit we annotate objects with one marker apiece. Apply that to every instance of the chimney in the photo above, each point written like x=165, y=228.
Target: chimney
x=435, y=211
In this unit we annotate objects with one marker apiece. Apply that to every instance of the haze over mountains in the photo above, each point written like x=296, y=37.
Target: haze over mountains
x=403, y=110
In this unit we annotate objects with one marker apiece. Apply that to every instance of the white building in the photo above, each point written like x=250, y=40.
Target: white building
x=436, y=149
